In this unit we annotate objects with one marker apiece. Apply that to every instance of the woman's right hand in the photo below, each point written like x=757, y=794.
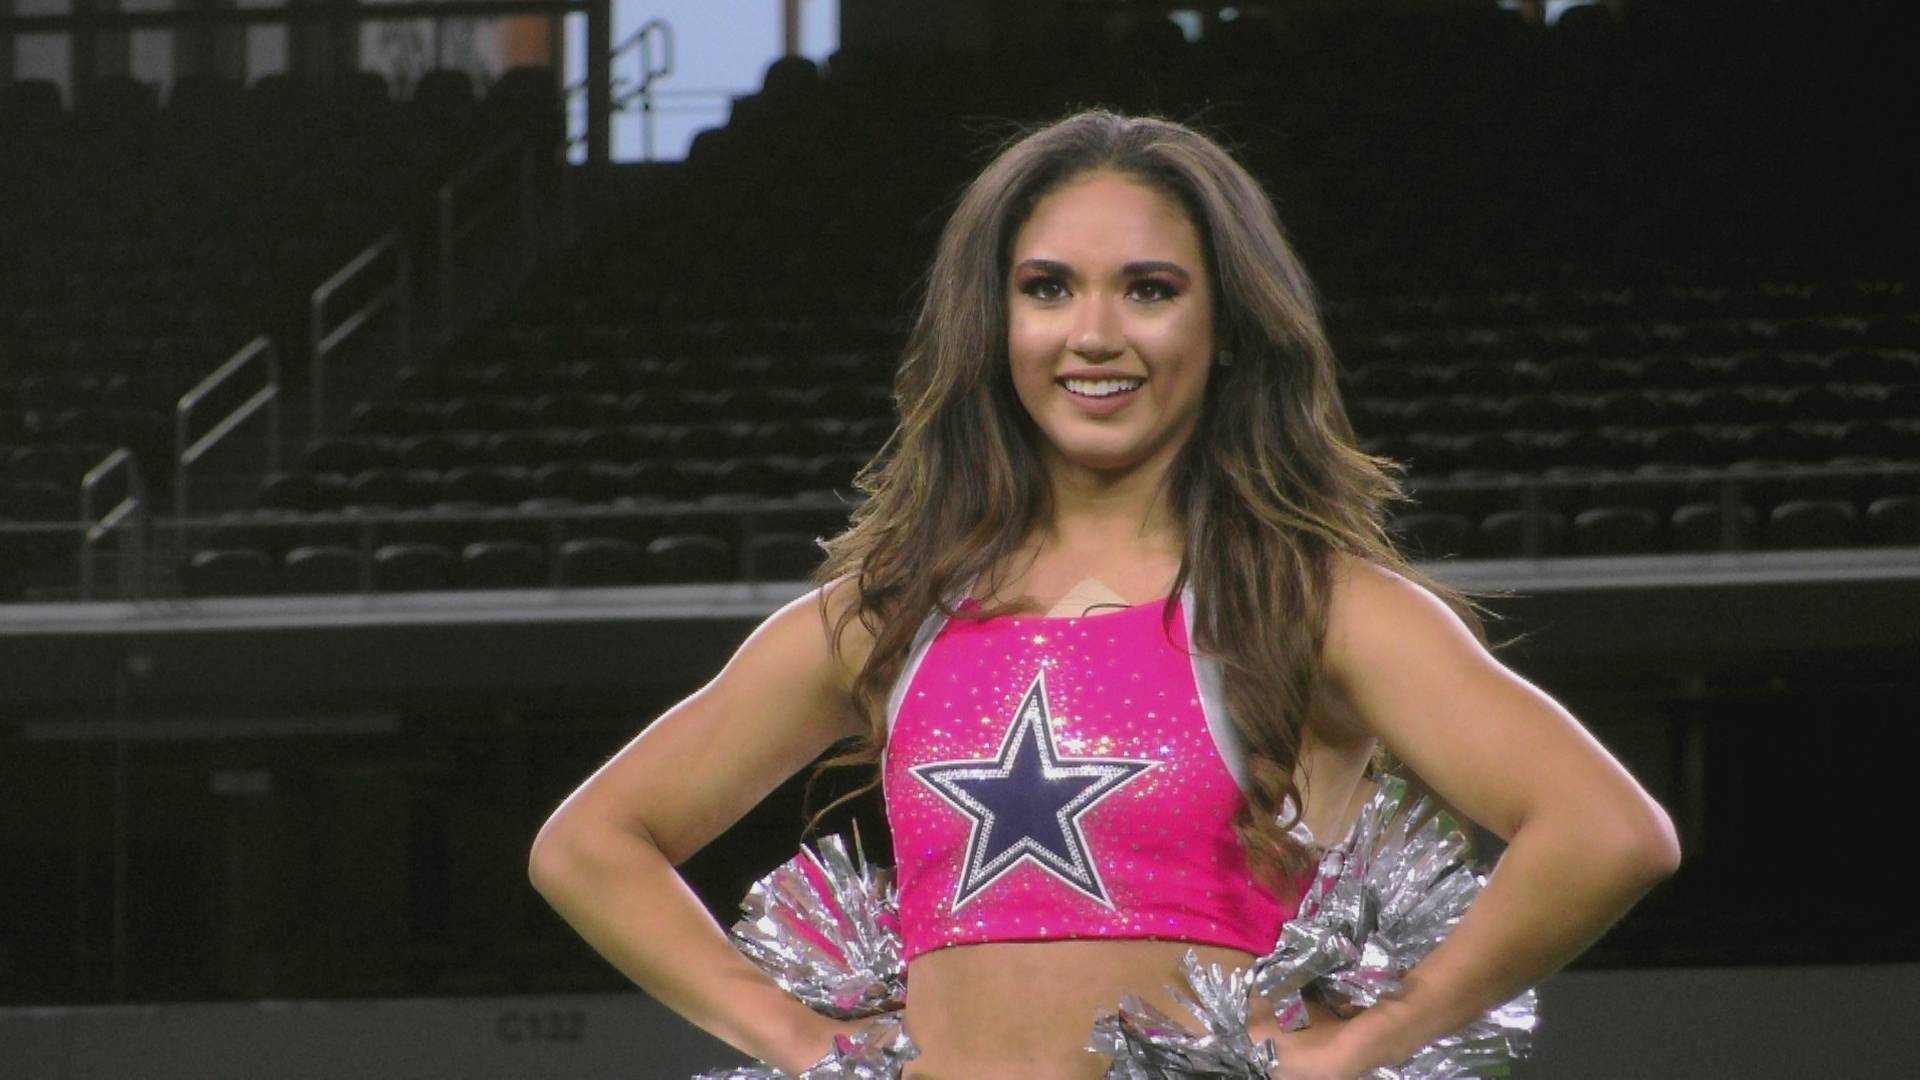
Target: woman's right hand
x=820, y=1041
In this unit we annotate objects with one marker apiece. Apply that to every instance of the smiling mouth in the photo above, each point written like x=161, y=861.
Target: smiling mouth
x=1101, y=388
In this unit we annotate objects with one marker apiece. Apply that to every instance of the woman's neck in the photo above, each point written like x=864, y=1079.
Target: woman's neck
x=1096, y=511
x=1113, y=533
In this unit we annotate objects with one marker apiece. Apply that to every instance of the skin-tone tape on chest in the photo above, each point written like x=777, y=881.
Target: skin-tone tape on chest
x=1087, y=594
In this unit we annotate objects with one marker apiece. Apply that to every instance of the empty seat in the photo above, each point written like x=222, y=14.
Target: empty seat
x=228, y=572
x=201, y=100
x=1429, y=535
x=1513, y=534
x=262, y=529
x=412, y=567
x=347, y=455
x=599, y=561
x=1679, y=446
x=1615, y=530
x=30, y=105
x=588, y=482
x=529, y=448
x=1709, y=527
x=429, y=451
x=321, y=569
x=391, y=418
x=1893, y=521
x=500, y=485
x=484, y=413
x=526, y=97
x=117, y=100
x=400, y=488
x=684, y=558
x=38, y=500
x=782, y=556
x=445, y=93
x=1810, y=523
x=503, y=564
x=831, y=472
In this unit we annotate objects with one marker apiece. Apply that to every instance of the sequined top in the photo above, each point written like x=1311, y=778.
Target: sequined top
x=1069, y=778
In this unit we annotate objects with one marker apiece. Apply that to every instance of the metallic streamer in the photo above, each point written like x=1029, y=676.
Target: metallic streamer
x=1146, y=1044
x=1381, y=900
x=826, y=926
x=876, y=1052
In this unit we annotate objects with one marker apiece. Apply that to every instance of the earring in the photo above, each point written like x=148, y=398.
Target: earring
x=1225, y=358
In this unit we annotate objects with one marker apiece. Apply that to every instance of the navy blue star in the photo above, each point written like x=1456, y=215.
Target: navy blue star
x=1026, y=803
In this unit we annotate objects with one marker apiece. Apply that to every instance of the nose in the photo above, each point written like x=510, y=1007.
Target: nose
x=1095, y=333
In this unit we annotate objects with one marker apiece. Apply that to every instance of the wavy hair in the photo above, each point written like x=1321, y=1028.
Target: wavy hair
x=1270, y=486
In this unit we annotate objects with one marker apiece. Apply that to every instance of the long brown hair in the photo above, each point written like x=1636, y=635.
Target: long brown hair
x=1271, y=485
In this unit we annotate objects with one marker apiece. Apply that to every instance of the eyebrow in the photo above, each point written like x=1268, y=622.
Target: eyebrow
x=1132, y=269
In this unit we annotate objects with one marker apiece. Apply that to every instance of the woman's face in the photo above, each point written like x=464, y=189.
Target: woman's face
x=1110, y=323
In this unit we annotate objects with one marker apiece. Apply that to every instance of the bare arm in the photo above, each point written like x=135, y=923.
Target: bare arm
x=1584, y=841
x=605, y=859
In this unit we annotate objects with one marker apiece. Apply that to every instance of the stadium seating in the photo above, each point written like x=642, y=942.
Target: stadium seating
x=1565, y=370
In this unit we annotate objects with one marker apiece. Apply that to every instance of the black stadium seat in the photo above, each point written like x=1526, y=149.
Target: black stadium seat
x=503, y=564
x=782, y=556
x=1893, y=521
x=412, y=568
x=1810, y=523
x=688, y=558
x=1704, y=527
x=1435, y=535
x=321, y=569
x=1504, y=534
x=599, y=561
x=1615, y=530
x=228, y=572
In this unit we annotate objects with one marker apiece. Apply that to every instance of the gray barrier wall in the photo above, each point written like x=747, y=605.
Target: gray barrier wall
x=1698, y=1024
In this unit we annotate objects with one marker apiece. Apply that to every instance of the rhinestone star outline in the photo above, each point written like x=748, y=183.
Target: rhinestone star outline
x=1031, y=730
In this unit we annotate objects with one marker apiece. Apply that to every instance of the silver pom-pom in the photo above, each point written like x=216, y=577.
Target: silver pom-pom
x=878, y=1051
x=1146, y=1044
x=826, y=927
x=1382, y=900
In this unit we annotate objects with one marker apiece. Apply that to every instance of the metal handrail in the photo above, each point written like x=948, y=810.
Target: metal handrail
x=185, y=454
x=132, y=505
x=322, y=341
x=452, y=232
x=641, y=41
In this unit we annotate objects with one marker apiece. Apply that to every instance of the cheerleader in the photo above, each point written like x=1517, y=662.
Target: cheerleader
x=1121, y=633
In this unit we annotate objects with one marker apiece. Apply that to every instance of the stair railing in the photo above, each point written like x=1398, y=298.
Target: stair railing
x=652, y=46
x=395, y=292
x=187, y=450
x=130, y=512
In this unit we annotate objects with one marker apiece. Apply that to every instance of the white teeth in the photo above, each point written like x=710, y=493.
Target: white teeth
x=1101, y=387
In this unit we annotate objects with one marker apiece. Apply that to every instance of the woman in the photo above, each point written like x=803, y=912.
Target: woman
x=1120, y=440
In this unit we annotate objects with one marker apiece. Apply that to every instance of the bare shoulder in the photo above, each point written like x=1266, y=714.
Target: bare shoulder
x=780, y=701
x=1376, y=615
x=1420, y=680
x=849, y=638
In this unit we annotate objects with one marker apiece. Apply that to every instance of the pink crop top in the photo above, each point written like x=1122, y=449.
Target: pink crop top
x=1069, y=778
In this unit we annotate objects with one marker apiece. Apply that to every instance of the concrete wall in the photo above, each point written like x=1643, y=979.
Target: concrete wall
x=1699, y=1024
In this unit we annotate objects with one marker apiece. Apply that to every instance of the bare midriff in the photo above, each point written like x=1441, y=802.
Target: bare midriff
x=1024, y=1010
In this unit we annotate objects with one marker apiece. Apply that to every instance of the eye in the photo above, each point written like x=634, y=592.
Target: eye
x=1158, y=289
x=1042, y=288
